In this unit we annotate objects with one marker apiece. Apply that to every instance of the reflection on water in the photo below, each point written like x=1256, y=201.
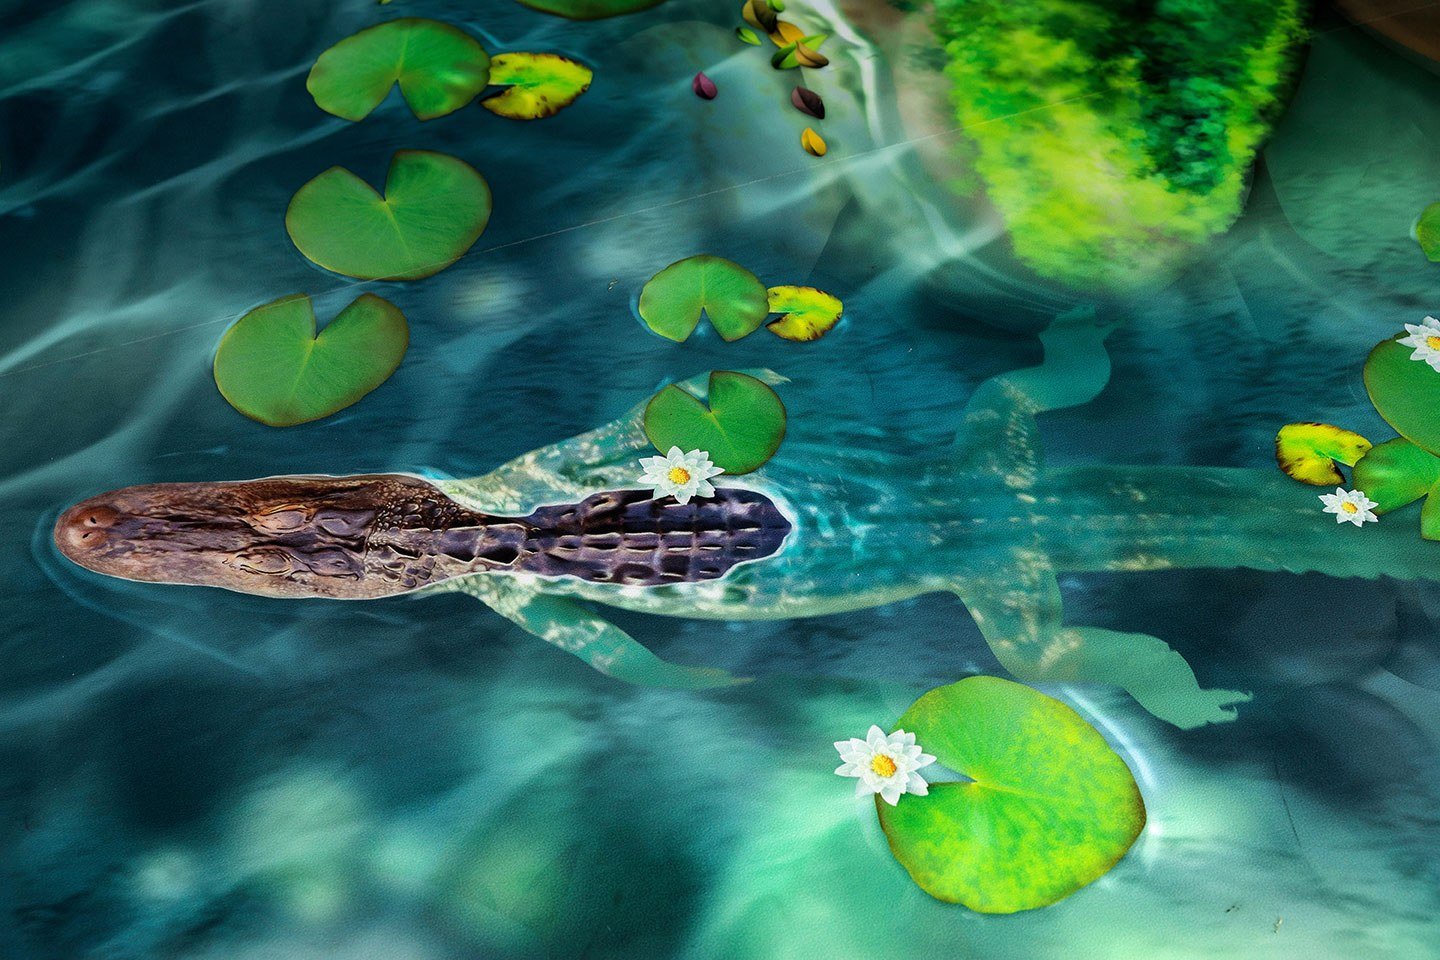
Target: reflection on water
x=191, y=774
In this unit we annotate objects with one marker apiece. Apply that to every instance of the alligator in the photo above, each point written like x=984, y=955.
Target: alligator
x=822, y=529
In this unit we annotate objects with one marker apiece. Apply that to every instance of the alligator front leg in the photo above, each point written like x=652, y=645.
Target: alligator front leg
x=574, y=628
x=1018, y=610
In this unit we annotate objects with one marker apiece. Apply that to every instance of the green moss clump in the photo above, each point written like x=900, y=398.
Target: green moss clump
x=1115, y=134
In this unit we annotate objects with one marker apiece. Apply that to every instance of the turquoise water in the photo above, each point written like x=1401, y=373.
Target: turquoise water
x=186, y=773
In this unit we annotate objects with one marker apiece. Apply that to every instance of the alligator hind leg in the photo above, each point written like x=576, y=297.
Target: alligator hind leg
x=571, y=626
x=998, y=433
x=1018, y=610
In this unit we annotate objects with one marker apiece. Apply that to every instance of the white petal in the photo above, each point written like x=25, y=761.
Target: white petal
x=875, y=738
x=862, y=788
x=924, y=760
x=681, y=494
x=847, y=770
x=917, y=786
x=891, y=793
x=704, y=490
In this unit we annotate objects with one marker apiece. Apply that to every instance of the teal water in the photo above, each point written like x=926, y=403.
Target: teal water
x=192, y=774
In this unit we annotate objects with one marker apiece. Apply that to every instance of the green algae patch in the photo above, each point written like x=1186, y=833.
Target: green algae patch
x=272, y=367
x=1050, y=807
x=1309, y=452
x=1114, y=137
x=740, y=423
x=590, y=9
x=538, y=85
x=674, y=300
x=808, y=314
x=439, y=69
x=433, y=210
x=1406, y=393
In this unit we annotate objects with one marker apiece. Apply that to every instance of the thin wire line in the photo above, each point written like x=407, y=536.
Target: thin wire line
x=848, y=158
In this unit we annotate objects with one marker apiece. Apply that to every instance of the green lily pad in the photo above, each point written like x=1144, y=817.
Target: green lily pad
x=590, y=9
x=1049, y=809
x=439, y=69
x=434, y=209
x=731, y=296
x=1308, y=452
x=538, y=85
x=273, y=368
x=741, y=426
x=1427, y=232
x=1397, y=473
x=808, y=313
x=1406, y=393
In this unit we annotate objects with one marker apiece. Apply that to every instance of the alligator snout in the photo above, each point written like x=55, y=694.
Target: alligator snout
x=84, y=529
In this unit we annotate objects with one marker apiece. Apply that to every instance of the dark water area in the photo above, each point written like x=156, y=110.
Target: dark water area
x=186, y=773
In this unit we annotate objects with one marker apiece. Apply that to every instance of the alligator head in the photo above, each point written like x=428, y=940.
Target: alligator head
x=342, y=537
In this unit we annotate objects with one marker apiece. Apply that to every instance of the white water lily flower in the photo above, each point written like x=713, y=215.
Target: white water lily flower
x=1349, y=506
x=1425, y=338
x=884, y=765
x=680, y=475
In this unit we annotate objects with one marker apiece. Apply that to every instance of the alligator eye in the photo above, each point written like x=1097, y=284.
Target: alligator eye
x=280, y=519
x=270, y=562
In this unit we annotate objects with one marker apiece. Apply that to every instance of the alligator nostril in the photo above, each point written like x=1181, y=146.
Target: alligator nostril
x=83, y=528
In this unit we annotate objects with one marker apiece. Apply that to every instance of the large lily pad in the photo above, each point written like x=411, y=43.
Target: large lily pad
x=538, y=85
x=590, y=9
x=1427, y=232
x=731, y=296
x=1397, y=473
x=272, y=367
x=439, y=69
x=1050, y=807
x=434, y=209
x=1308, y=452
x=808, y=313
x=741, y=426
x=1406, y=393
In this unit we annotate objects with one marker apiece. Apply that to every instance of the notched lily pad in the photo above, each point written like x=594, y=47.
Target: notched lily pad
x=538, y=85
x=741, y=423
x=1406, y=393
x=808, y=313
x=1308, y=452
x=1050, y=807
x=439, y=69
x=434, y=209
x=731, y=296
x=273, y=368
x=1427, y=232
x=1397, y=473
x=590, y=9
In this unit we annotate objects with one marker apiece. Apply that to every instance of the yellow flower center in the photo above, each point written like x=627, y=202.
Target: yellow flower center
x=1349, y=507
x=883, y=765
x=679, y=475
x=1433, y=343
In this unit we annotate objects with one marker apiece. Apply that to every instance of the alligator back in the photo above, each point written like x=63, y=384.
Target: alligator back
x=625, y=537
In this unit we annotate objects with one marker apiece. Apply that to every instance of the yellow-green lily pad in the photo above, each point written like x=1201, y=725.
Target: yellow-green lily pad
x=673, y=301
x=1405, y=392
x=1308, y=452
x=439, y=69
x=434, y=209
x=808, y=313
x=272, y=367
x=538, y=85
x=1049, y=808
x=590, y=9
x=740, y=423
